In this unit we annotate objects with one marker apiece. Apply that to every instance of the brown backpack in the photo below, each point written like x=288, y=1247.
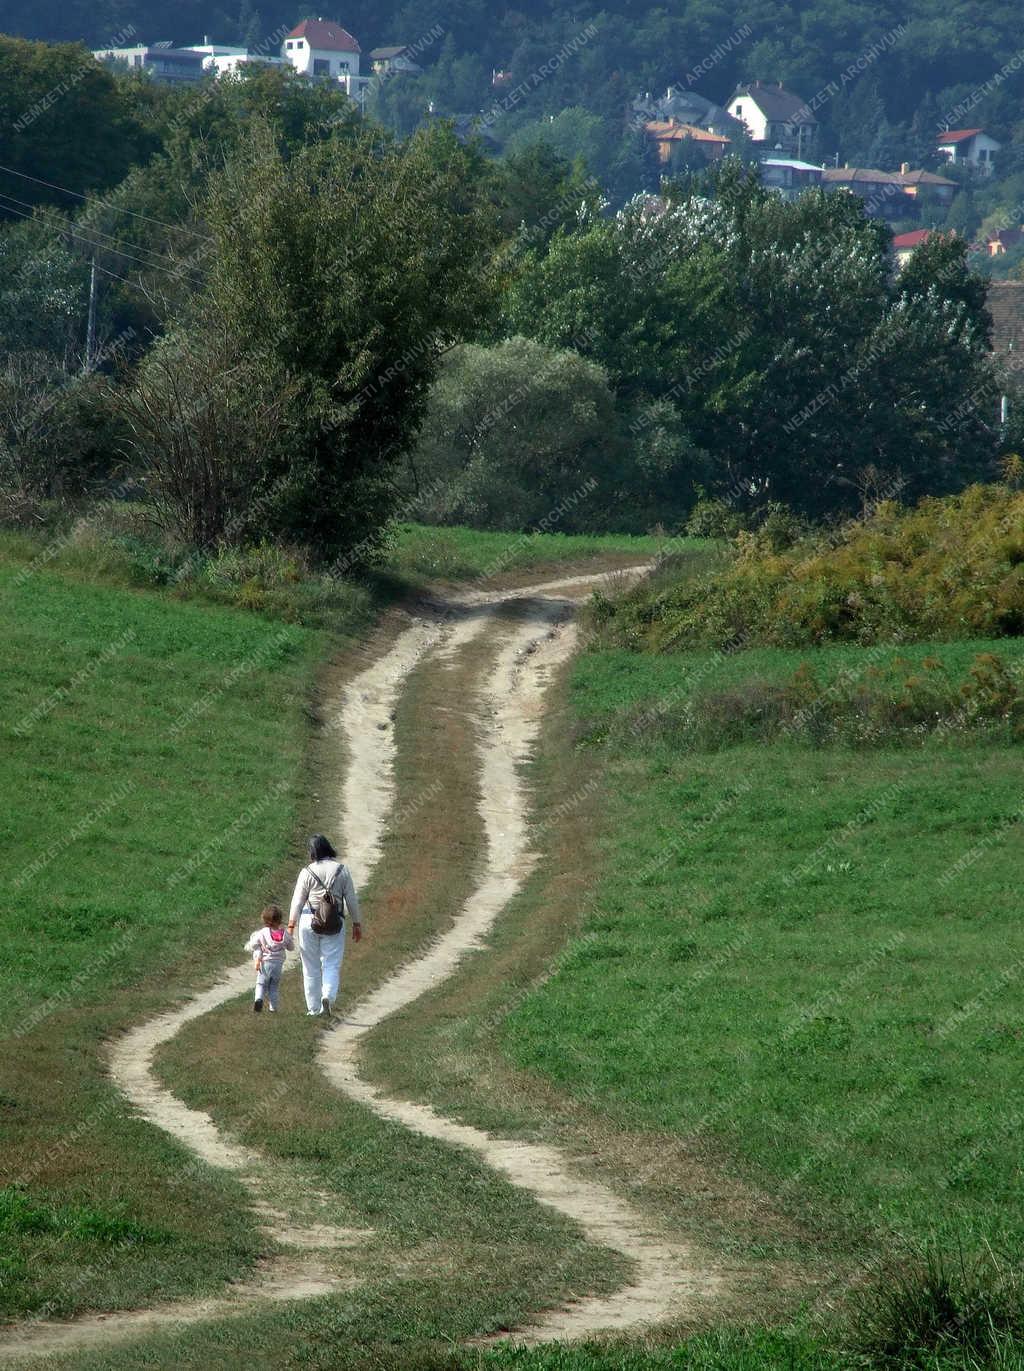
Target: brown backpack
x=328, y=916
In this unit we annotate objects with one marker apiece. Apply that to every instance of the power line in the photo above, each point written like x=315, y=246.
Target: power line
x=69, y=224
x=117, y=277
x=118, y=209
x=104, y=247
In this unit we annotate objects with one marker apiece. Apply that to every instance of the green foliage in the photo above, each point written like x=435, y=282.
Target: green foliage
x=793, y=359
x=342, y=274
x=896, y=700
x=929, y=1304
x=518, y=433
x=62, y=119
x=43, y=291
x=950, y=568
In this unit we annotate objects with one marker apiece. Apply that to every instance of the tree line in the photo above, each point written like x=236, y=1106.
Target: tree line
x=306, y=326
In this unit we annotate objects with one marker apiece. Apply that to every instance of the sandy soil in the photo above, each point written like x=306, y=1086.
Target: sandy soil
x=668, y=1280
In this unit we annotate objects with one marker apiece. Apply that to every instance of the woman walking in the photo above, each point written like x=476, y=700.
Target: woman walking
x=321, y=953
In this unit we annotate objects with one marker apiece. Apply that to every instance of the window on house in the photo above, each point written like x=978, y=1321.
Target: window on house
x=289, y=44
x=739, y=111
x=321, y=66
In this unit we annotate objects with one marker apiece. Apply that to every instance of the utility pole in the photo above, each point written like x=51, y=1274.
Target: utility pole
x=90, y=328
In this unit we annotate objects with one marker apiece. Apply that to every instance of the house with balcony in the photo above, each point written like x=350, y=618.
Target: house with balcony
x=776, y=119
x=161, y=62
x=973, y=148
x=321, y=49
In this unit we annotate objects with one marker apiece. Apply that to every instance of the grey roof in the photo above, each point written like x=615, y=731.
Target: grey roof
x=686, y=107
x=1006, y=305
x=775, y=103
x=382, y=54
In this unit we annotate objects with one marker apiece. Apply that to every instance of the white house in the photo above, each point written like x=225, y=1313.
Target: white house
x=160, y=61
x=970, y=147
x=216, y=49
x=321, y=48
x=228, y=63
x=775, y=117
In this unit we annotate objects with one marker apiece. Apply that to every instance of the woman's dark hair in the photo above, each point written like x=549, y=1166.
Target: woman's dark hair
x=320, y=848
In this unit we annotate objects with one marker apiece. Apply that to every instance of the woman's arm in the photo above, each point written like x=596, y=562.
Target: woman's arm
x=299, y=897
x=348, y=889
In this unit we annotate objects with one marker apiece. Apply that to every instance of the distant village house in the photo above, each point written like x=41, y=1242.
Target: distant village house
x=674, y=140
x=775, y=118
x=969, y=147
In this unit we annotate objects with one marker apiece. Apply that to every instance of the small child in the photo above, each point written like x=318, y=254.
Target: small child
x=268, y=946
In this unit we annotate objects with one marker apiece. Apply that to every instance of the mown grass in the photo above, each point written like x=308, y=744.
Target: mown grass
x=155, y=742
x=151, y=757
x=456, y=554
x=813, y=955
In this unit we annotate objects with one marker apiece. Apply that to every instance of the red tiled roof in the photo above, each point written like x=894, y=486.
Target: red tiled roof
x=328, y=37
x=957, y=135
x=903, y=241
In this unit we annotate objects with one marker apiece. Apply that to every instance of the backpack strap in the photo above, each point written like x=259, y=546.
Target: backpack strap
x=327, y=885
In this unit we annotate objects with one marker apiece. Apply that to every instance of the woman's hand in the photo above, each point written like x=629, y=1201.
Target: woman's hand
x=357, y=932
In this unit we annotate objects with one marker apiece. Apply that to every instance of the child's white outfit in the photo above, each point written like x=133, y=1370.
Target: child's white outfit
x=269, y=946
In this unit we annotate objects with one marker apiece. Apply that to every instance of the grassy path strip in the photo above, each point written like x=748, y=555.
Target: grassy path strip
x=310, y=1274
x=665, y=1278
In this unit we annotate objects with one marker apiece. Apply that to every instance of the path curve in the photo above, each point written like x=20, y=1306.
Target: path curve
x=667, y=1280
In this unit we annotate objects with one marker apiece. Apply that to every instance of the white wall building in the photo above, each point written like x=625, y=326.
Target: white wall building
x=320, y=48
x=775, y=117
x=227, y=63
x=973, y=147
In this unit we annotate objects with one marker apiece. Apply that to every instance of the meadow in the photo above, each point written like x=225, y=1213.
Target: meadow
x=784, y=968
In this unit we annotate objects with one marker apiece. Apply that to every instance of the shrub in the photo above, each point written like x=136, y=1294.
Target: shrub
x=515, y=433
x=197, y=423
x=898, y=701
x=950, y=568
x=55, y=434
x=713, y=518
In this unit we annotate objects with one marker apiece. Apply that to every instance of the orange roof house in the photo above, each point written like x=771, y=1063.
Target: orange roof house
x=670, y=137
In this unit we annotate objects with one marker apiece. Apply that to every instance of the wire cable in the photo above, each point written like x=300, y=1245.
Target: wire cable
x=118, y=209
x=70, y=226
x=101, y=247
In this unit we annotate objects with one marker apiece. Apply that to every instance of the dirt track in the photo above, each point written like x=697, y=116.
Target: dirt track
x=667, y=1280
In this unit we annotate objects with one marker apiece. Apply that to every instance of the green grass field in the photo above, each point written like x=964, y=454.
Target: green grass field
x=151, y=759
x=456, y=554
x=812, y=955
x=803, y=961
